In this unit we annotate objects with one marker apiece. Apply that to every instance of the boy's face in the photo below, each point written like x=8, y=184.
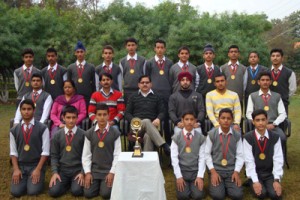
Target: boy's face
x=233, y=54
x=188, y=122
x=36, y=83
x=260, y=122
x=70, y=119
x=276, y=58
x=253, y=59
x=208, y=56
x=27, y=111
x=225, y=120
x=106, y=82
x=184, y=55
x=28, y=59
x=264, y=82
x=102, y=117
x=131, y=47
x=51, y=57
x=185, y=83
x=80, y=54
x=107, y=55
x=220, y=82
x=159, y=49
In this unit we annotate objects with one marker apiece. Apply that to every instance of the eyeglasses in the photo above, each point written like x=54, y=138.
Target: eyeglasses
x=145, y=82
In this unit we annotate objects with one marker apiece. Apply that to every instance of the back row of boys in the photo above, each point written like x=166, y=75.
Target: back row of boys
x=162, y=71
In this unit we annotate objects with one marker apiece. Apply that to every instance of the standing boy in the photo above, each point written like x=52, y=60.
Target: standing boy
x=224, y=158
x=188, y=160
x=66, y=152
x=102, y=146
x=29, y=150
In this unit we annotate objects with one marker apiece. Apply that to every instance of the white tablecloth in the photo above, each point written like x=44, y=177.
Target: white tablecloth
x=138, y=178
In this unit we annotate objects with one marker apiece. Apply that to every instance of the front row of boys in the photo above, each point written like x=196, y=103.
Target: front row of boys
x=224, y=154
x=74, y=155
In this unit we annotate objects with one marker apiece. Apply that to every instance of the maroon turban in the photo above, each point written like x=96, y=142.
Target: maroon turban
x=185, y=74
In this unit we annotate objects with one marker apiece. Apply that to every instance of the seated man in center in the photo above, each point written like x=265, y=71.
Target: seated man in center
x=149, y=107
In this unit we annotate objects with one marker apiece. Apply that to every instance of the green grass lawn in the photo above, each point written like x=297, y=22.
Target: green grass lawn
x=291, y=180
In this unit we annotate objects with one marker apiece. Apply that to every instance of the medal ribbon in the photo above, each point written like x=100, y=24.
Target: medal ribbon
x=104, y=133
x=67, y=138
x=132, y=62
x=262, y=149
x=185, y=68
x=255, y=73
x=27, y=134
x=161, y=65
x=209, y=73
x=233, y=71
x=27, y=78
x=107, y=69
x=227, y=145
x=52, y=74
x=34, y=98
x=266, y=99
x=275, y=77
x=80, y=70
x=187, y=141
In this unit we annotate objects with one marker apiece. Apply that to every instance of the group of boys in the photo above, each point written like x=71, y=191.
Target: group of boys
x=152, y=90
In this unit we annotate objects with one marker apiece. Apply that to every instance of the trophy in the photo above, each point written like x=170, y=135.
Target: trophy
x=136, y=125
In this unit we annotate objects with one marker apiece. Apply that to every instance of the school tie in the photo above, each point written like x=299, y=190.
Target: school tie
x=276, y=71
x=80, y=66
x=253, y=69
x=233, y=66
x=189, y=135
x=160, y=62
x=106, y=69
x=131, y=62
x=35, y=94
x=185, y=67
x=27, y=71
x=70, y=133
x=27, y=129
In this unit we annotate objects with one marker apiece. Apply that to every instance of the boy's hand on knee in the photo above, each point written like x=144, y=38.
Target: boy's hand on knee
x=53, y=179
x=257, y=188
x=17, y=174
x=215, y=178
x=109, y=179
x=88, y=180
x=35, y=176
x=80, y=179
x=277, y=188
x=236, y=178
x=180, y=184
x=199, y=183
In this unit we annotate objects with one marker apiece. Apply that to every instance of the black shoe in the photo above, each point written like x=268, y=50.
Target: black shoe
x=166, y=149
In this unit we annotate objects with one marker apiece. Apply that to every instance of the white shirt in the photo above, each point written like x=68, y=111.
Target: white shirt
x=74, y=129
x=280, y=109
x=239, y=156
x=46, y=109
x=292, y=81
x=16, y=79
x=250, y=161
x=45, y=141
x=175, y=159
x=87, y=154
x=207, y=67
x=146, y=94
x=157, y=58
x=82, y=63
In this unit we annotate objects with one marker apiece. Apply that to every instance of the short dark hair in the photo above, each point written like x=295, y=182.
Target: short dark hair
x=277, y=50
x=183, y=48
x=70, y=81
x=188, y=112
x=264, y=73
x=253, y=52
x=220, y=75
x=51, y=50
x=259, y=112
x=144, y=76
x=102, y=106
x=28, y=102
x=69, y=109
x=226, y=110
x=160, y=41
x=27, y=51
x=105, y=74
x=108, y=47
x=37, y=75
x=131, y=39
x=234, y=46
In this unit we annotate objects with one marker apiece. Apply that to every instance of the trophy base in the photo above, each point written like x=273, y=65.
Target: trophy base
x=137, y=155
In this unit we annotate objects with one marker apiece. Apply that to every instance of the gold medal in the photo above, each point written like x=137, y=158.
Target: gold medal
x=161, y=72
x=188, y=149
x=275, y=83
x=262, y=156
x=266, y=108
x=209, y=81
x=232, y=77
x=253, y=82
x=131, y=71
x=80, y=80
x=35, y=105
x=26, y=147
x=101, y=144
x=52, y=82
x=68, y=148
x=27, y=84
x=224, y=162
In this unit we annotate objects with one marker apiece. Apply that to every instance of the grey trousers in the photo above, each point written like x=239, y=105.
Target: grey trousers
x=25, y=185
x=152, y=136
x=225, y=186
x=267, y=190
x=190, y=190
x=98, y=187
x=67, y=181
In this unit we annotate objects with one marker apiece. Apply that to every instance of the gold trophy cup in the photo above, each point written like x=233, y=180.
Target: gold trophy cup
x=136, y=125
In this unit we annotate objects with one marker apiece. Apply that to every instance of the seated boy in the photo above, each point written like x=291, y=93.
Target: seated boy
x=188, y=161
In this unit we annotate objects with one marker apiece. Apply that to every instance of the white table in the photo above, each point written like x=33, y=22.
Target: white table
x=138, y=178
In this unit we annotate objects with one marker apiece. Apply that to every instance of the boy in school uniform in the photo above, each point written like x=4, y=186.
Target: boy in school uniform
x=41, y=99
x=22, y=75
x=132, y=66
x=183, y=65
x=207, y=71
x=54, y=75
x=109, y=67
x=82, y=73
x=66, y=152
x=29, y=150
x=224, y=158
x=263, y=158
x=102, y=146
x=188, y=160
